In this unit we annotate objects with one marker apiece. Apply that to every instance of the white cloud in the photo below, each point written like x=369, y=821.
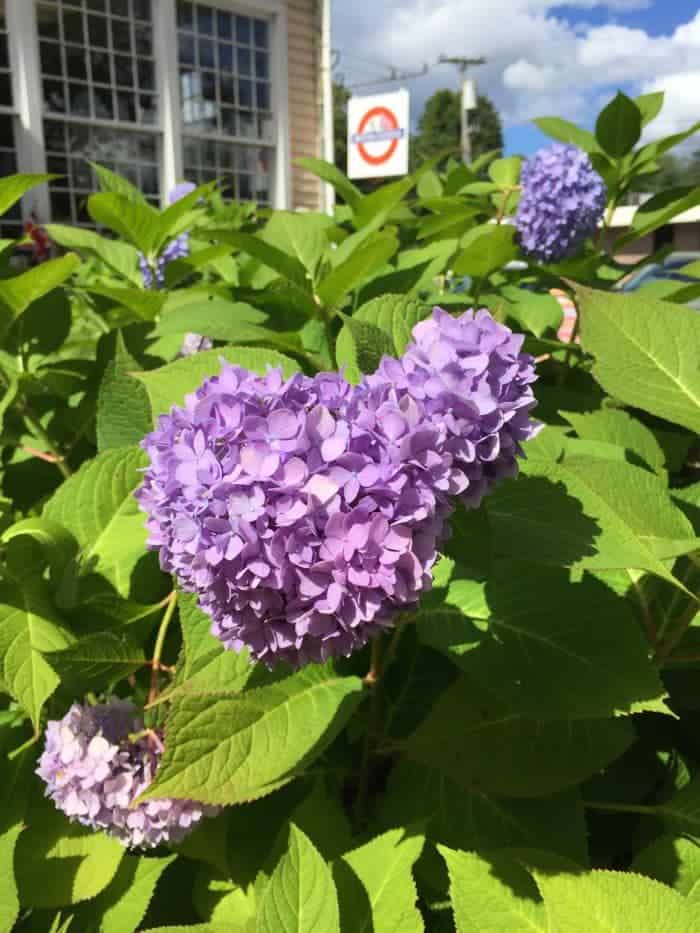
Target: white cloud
x=680, y=109
x=538, y=62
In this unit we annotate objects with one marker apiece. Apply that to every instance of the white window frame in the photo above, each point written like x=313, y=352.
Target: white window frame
x=28, y=107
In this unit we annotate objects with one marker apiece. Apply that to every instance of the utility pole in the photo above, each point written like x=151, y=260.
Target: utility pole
x=462, y=64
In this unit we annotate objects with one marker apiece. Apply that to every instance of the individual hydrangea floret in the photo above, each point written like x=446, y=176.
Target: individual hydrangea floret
x=469, y=375
x=302, y=521
x=195, y=343
x=305, y=513
x=93, y=772
x=561, y=202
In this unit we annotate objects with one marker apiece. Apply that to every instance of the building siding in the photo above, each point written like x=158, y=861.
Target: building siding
x=304, y=43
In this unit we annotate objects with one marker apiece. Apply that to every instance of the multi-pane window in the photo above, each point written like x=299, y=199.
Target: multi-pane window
x=69, y=146
x=228, y=127
x=98, y=74
x=10, y=224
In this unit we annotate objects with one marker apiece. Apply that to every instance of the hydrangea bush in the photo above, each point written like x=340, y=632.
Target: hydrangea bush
x=336, y=592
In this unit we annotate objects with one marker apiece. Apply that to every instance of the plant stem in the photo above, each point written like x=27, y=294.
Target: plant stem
x=665, y=645
x=372, y=680
x=619, y=807
x=41, y=435
x=170, y=604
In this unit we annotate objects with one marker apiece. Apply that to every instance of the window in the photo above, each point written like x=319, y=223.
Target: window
x=11, y=223
x=228, y=128
x=98, y=75
x=93, y=81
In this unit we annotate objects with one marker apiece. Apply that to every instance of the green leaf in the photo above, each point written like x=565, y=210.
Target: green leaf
x=489, y=248
x=681, y=813
x=224, y=902
x=494, y=893
x=20, y=291
x=123, y=408
x=578, y=654
x=220, y=320
x=619, y=126
x=168, y=385
x=328, y=172
x=122, y=905
x=445, y=220
x=362, y=343
x=673, y=860
x=137, y=223
x=605, y=901
x=97, y=505
x=29, y=627
x=300, y=896
x=593, y=514
x=658, y=211
x=145, y=305
x=14, y=187
x=376, y=891
x=304, y=236
x=506, y=172
x=645, y=353
x=9, y=899
x=122, y=258
x=567, y=132
x=649, y=105
x=219, y=745
x=537, y=313
x=475, y=820
x=614, y=426
x=375, y=209
x=111, y=182
x=394, y=315
x=477, y=742
x=58, y=544
x=362, y=264
x=182, y=215
x=98, y=660
x=207, y=666
x=276, y=259
x=58, y=863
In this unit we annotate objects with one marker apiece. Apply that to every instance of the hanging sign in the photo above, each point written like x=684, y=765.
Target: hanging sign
x=378, y=129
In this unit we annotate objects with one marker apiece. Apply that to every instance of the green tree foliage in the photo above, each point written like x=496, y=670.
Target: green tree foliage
x=439, y=126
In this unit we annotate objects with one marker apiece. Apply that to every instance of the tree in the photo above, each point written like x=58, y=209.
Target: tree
x=341, y=96
x=439, y=127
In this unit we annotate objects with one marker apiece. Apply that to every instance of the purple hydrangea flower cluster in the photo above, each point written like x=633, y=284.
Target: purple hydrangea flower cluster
x=93, y=773
x=305, y=513
x=561, y=202
x=468, y=373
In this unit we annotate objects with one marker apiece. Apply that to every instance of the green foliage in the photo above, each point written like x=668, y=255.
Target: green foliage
x=535, y=714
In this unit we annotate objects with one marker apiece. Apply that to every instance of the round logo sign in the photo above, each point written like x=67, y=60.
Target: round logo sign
x=379, y=129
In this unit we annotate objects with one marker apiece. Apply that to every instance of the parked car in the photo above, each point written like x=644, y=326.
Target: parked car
x=661, y=278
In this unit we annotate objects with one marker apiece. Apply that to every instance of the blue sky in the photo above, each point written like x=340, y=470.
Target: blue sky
x=544, y=58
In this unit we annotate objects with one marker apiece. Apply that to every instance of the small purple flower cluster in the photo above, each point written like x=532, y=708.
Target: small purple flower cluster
x=305, y=513
x=561, y=202
x=93, y=772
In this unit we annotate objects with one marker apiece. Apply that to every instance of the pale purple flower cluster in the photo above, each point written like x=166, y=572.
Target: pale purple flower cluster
x=306, y=512
x=561, y=202
x=469, y=375
x=94, y=772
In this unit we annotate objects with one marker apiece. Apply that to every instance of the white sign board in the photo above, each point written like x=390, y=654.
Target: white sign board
x=378, y=135
x=469, y=94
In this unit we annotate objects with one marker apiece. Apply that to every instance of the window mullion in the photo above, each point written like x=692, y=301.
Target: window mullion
x=24, y=56
x=168, y=84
